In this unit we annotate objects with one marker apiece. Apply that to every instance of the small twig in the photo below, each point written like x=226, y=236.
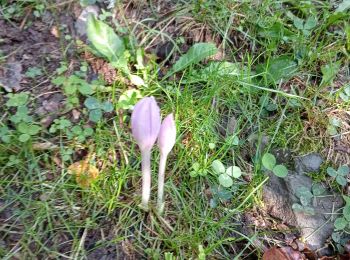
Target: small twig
x=23, y=23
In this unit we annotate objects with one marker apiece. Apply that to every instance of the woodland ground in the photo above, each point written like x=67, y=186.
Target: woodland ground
x=286, y=87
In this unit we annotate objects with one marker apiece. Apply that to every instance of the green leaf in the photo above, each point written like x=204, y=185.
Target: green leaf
x=332, y=172
x=217, y=167
x=346, y=212
x=310, y=23
x=341, y=180
x=77, y=130
x=95, y=115
x=24, y=138
x=282, y=67
x=343, y=170
x=23, y=128
x=34, y=129
x=129, y=98
x=107, y=106
x=225, y=180
x=269, y=161
x=329, y=71
x=309, y=210
x=70, y=89
x=303, y=192
x=336, y=236
x=340, y=223
x=195, y=54
x=92, y=103
x=343, y=6
x=16, y=100
x=86, y=89
x=33, y=72
x=193, y=173
x=88, y=131
x=104, y=39
x=234, y=171
x=318, y=189
x=347, y=199
x=280, y=171
x=195, y=166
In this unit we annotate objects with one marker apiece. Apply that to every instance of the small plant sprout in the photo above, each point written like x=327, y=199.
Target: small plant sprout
x=145, y=126
x=166, y=142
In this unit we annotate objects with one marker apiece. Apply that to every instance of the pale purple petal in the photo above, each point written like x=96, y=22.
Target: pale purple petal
x=167, y=134
x=145, y=123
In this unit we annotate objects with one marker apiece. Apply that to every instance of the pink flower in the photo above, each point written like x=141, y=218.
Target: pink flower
x=145, y=126
x=145, y=123
x=167, y=135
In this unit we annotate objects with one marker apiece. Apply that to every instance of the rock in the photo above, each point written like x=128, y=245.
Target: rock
x=280, y=194
x=11, y=76
x=308, y=163
x=80, y=24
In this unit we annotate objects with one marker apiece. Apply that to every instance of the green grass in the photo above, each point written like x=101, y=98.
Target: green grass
x=47, y=214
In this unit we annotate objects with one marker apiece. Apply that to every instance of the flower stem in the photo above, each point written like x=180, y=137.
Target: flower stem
x=161, y=177
x=146, y=178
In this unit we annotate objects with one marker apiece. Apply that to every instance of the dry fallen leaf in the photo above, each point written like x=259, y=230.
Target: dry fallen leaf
x=284, y=253
x=84, y=172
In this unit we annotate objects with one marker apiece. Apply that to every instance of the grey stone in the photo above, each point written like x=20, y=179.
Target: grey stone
x=279, y=196
x=80, y=24
x=11, y=76
x=308, y=163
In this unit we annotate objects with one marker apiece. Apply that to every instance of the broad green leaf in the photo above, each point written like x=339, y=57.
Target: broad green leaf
x=343, y=170
x=129, y=98
x=269, y=161
x=95, y=115
x=280, y=171
x=318, y=189
x=107, y=106
x=329, y=71
x=225, y=180
x=224, y=194
x=195, y=54
x=340, y=223
x=303, y=192
x=310, y=23
x=193, y=173
x=16, y=100
x=77, y=130
x=202, y=172
x=234, y=171
x=332, y=172
x=218, y=167
x=347, y=199
x=346, y=212
x=23, y=128
x=34, y=129
x=6, y=138
x=309, y=210
x=104, y=39
x=86, y=89
x=282, y=67
x=336, y=236
x=195, y=166
x=343, y=6
x=88, y=131
x=341, y=180
x=24, y=138
x=92, y=103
